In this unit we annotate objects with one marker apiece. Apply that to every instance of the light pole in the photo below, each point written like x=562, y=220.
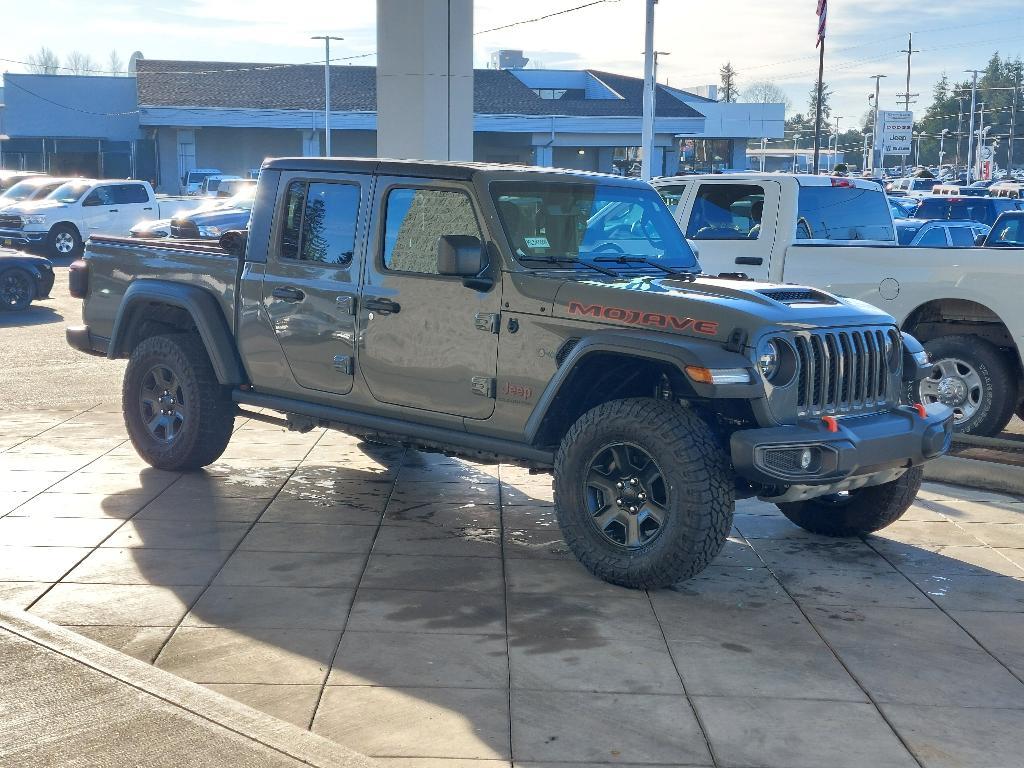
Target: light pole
x=327, y=88
x=959, y=129
x=970, y=131
x=647, y=124
x=796, y=142
x=942, y=146
x=878, y=80
x=764, y=151
x=835, y=153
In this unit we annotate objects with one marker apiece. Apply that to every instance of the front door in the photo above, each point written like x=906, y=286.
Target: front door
x=311, y=281
x=429, y=341
x=100, y=212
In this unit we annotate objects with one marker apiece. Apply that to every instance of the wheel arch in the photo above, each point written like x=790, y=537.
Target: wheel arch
x=70, y=225
x=151, y=307
x=949, y=317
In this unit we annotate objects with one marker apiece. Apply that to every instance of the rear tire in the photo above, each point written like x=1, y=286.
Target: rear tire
x=974, y=378
x=17, y=289
x=668, y=524
x=865, y=510
x=64, y=242
x=177, y=414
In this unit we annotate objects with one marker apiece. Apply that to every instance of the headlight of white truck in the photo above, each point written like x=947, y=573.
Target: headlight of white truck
x=37, y=219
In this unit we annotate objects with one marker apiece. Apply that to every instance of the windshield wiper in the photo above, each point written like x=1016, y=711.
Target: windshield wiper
x=627, y=258
x=567, y=260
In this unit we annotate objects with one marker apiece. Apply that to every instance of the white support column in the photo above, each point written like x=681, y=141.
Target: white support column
x=425, y=79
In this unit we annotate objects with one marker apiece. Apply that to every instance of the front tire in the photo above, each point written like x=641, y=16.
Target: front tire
x=974, y=378
x=17, y=289
x=643, y=492
x=865, y=510
x=64, y=242
x=177, y=414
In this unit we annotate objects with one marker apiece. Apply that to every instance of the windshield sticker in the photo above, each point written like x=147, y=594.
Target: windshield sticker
x=636, y=317
x=537, y=242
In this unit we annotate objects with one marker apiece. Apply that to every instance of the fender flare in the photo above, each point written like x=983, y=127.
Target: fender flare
x=201, y=305
x=678, y=351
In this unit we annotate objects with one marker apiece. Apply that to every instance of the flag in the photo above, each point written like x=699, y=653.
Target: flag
x=822, y=16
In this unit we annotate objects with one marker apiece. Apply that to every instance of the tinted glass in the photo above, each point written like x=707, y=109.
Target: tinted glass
x=291, y=226
x=933, y=238
x=1010, y=232
x=582, y=221
x=329, y=223
x=727, y=212
x=127, y=194
x=100, y=196
x=416, y=219
x=905, y=234
x=962, y=237
x=843, y=213
x=672, y=194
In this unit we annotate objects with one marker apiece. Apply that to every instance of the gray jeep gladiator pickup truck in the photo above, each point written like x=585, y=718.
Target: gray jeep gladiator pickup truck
x=550, y=318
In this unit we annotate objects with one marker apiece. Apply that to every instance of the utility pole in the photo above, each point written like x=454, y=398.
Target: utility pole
x=1013, y=124
x=981, y=135
x=327, y=89
x=874, y=160
x=959, y=128
x=970, y=130
x=910, y=51
x=647, y=127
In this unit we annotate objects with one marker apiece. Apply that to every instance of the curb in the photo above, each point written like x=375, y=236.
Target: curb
x=289, y=740
x=974, y=473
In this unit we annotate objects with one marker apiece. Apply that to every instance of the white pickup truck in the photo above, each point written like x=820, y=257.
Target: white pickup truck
x=965, y=304
x=59, y=224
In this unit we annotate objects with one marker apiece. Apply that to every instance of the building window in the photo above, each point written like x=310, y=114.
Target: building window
x=705, y=155
x=550, y=93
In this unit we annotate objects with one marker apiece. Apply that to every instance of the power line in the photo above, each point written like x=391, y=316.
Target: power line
x=68, y=107
x=545, y=16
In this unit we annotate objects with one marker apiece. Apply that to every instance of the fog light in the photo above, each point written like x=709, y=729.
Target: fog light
x=806, y=457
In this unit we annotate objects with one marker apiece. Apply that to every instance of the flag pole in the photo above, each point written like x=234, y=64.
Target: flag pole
x=817, y=117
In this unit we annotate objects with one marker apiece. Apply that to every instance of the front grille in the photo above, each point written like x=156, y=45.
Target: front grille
x=786, y=461
x=846, y=370
x=10, y=222
x=184, y=228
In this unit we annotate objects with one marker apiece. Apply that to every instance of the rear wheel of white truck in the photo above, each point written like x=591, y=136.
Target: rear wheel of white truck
x=865, y=510
x=643, y=492
x=177, y=414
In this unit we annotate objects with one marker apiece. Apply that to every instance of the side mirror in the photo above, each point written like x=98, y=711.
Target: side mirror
x=460, y=256
x=980, y=240
x=234, y=241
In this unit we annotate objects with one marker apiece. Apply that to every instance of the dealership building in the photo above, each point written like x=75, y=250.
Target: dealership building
x=177, y=115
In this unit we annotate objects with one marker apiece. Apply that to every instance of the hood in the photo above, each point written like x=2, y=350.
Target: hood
x=35, y=206
x=228, y=218
x=708, y=308
x=7, y=254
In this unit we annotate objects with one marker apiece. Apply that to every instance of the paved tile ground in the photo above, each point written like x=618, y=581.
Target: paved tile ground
x=424, y=610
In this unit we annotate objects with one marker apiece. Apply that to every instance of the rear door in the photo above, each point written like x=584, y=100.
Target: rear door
x=311, y=282
x=133, y=205
x=429, y=341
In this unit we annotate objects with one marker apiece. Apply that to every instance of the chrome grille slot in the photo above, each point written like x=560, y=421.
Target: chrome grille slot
x=844, y=371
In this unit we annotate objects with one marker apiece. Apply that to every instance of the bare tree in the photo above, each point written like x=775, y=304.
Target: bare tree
x=78, y=63
x=766, y=92
x=44, y=62
x=115, y=63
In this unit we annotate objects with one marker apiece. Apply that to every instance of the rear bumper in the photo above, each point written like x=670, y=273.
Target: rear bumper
x=82, y=339
x=865, y=450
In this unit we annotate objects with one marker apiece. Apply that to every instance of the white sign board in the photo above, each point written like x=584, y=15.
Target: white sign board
x=894, y=133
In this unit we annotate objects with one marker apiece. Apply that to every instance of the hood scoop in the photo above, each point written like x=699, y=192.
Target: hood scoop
x=794, y=295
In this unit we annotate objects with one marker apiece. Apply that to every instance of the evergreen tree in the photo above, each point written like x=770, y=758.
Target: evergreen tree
x=728, y=90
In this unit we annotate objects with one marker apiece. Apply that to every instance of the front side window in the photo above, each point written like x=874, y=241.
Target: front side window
x=416, y=219
x=727, y=212
x=320, y=222
x=567, y=224
x=71, y=192
x=844, y=214
x=1010, y=233
x=100, y=196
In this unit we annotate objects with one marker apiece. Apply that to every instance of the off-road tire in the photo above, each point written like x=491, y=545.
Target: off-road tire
x=206, y=405
x=864, y=511
x=60, y=234
x=17, y=289
x=999, y=384
x=697, y=476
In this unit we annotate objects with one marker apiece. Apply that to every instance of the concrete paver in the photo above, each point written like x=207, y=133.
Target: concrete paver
x=426, y=611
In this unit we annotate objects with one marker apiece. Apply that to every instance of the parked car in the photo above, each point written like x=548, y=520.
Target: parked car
x=407, y=302
x=27, y=190
x=212, y=183
x=60, y=223
x=922, y=233
x=1007, y=232
x=212, y=222
x=23, y=279
x=9, y=178
x=959, y=190
x=963, y=303
x=231, y=187
x=981, y=209
x=903, y=207
x=151, y=228
x=192, y=182
x=912, y=186
x=1009, y=188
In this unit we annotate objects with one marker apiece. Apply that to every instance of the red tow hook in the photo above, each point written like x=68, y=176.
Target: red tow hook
x=921, y=410
x=831, y=423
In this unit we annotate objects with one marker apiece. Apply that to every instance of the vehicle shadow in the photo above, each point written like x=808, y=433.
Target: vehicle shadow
x=396, y=594
x=36, y=314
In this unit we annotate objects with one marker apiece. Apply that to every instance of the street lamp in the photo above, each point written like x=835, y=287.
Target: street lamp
x=942, y=145
x=835, y=153
x=327, y=88
x=796, y=142
x=878, y=80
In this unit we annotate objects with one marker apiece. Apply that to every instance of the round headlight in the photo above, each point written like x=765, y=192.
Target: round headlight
x=768, y=358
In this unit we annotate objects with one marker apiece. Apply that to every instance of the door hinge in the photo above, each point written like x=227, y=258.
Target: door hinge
x=489, y=322
x=483, y=386
x=343, y=364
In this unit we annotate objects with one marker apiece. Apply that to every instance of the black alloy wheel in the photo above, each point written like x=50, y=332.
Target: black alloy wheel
x=626, y=495
x=17, y=289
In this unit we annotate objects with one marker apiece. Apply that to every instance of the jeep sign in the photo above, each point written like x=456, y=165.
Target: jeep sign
x=894, y=133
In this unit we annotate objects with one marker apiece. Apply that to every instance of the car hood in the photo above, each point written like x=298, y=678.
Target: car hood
x=36, y=206
x=708, y=308
x=7, y=255
x=229, y=217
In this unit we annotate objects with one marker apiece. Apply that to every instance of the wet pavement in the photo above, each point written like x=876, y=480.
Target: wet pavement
x=424, y=611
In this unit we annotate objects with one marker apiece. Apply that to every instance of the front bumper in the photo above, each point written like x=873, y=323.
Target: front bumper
x=10, y=238
x=863, y=451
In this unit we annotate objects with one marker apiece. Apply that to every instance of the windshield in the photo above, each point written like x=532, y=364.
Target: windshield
x=843, y=213
x=1008, y=233
x=563, y=223
x=70, y=192
x=243, y=199
x=23, y=190
x=197, y=177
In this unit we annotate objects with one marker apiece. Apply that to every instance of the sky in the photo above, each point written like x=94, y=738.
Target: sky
x=763, y=39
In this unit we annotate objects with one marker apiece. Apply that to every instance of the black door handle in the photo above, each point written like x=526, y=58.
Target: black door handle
x=148, y=208
x=383, y=306
x=113, y=210
x=754, y=261
x=287, y=293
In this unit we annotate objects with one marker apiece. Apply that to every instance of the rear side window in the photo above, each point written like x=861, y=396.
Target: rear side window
x=962, y=237
x=672, y=194
x=727, y=212
x=126, y=194
x=320, y=222
x=843, y=213
x=416, y=219
x=933, y=238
